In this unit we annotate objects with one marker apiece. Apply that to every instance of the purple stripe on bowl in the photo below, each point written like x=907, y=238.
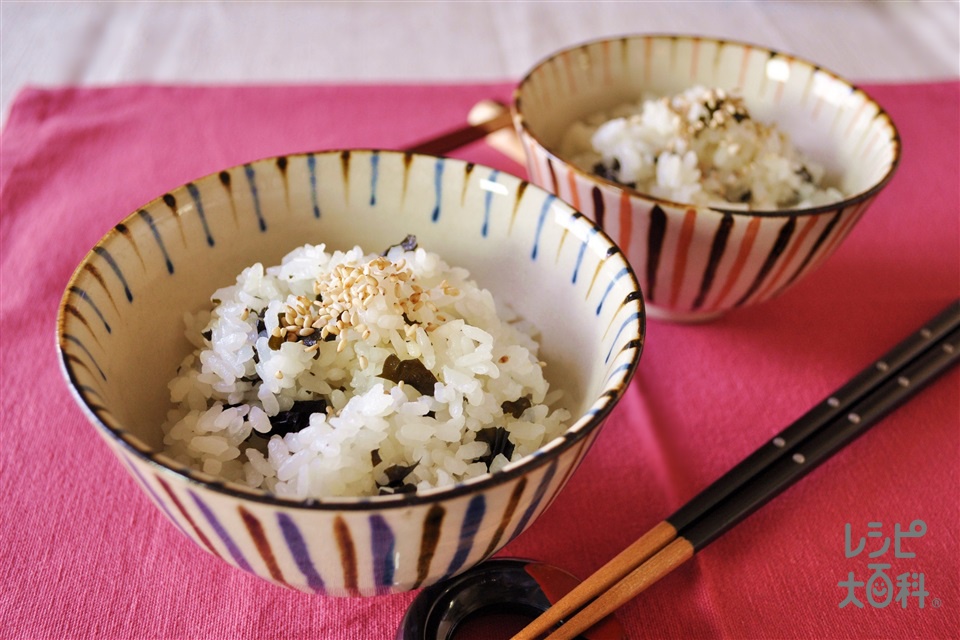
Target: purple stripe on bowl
x=468, y=532
x=383, y=544
x=153, y=494
x=298, y=549
x=232, y=547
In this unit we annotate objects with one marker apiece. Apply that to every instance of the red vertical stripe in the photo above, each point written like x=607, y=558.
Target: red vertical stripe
x=788, y=258
x=260, y=541
x=749, y=236
x=626, y=223
x=572, y=183
x=683, y=250
x=506, y=517
x=186, y=515
x=844, y=228
x=348, y=555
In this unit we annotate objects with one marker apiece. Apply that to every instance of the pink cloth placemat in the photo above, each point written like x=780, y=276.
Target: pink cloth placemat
x=84, y=554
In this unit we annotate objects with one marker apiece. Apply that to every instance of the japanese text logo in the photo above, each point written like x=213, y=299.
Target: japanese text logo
x=884, y=586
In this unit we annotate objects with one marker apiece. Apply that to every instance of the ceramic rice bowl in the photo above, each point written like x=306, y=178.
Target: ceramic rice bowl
x=549, y=262
x=697, y=262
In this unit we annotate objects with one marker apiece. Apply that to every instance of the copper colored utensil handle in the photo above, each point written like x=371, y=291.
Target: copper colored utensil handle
x=451, y=140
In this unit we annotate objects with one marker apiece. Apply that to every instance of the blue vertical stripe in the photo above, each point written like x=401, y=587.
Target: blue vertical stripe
x=383, y=544
x=103, y=253
x=537, y=497
x=374, y=173
x=583, y=250
x=487, y=199
x=77, y=342
x=89, y=390
x=298, y=549
x=153, y=494
x=312, y=167
x=632, y=318
x=80, y=293
x=610, y=286
x=195, y=194
x=543, y=216
x=251, y=180
x=156, y=236
x=468, y=532
x=438, y=188
x=232, y=547
x=619, y=369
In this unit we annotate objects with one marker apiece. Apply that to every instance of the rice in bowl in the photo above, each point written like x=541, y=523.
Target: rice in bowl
x=352, y=374
x=702, y=147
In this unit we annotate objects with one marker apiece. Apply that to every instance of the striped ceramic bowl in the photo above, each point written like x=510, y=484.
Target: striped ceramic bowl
x=696, y=262
x=120, y=341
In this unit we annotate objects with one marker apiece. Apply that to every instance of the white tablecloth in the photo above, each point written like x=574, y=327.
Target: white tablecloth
x=103, y=43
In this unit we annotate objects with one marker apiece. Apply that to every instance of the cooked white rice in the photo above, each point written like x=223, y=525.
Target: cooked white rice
x=702, y=147
x=234, y=395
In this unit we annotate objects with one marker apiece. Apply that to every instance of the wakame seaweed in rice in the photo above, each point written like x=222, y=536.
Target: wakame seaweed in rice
x=701, y=147
x=352, y=374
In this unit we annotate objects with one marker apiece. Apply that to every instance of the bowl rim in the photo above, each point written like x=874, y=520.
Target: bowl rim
x=585, y=424
x=521, y=123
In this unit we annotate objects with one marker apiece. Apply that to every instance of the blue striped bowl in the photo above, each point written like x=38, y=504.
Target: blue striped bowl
x=120, y=341
x=697, y=262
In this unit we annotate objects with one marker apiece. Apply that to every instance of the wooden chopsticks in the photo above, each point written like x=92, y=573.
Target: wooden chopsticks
x=791, y=454
x=498, y=117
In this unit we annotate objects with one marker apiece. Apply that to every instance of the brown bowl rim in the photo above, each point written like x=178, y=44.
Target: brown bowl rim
x=198, y=479
x=520, y=122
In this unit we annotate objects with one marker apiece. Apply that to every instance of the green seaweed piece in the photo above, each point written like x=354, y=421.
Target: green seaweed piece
x=517, y=407
x=499, y=441
x=411, y=372
x=295, y=418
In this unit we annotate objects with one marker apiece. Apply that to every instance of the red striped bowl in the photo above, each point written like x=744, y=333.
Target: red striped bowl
x=120, y=340
x=697, y=262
